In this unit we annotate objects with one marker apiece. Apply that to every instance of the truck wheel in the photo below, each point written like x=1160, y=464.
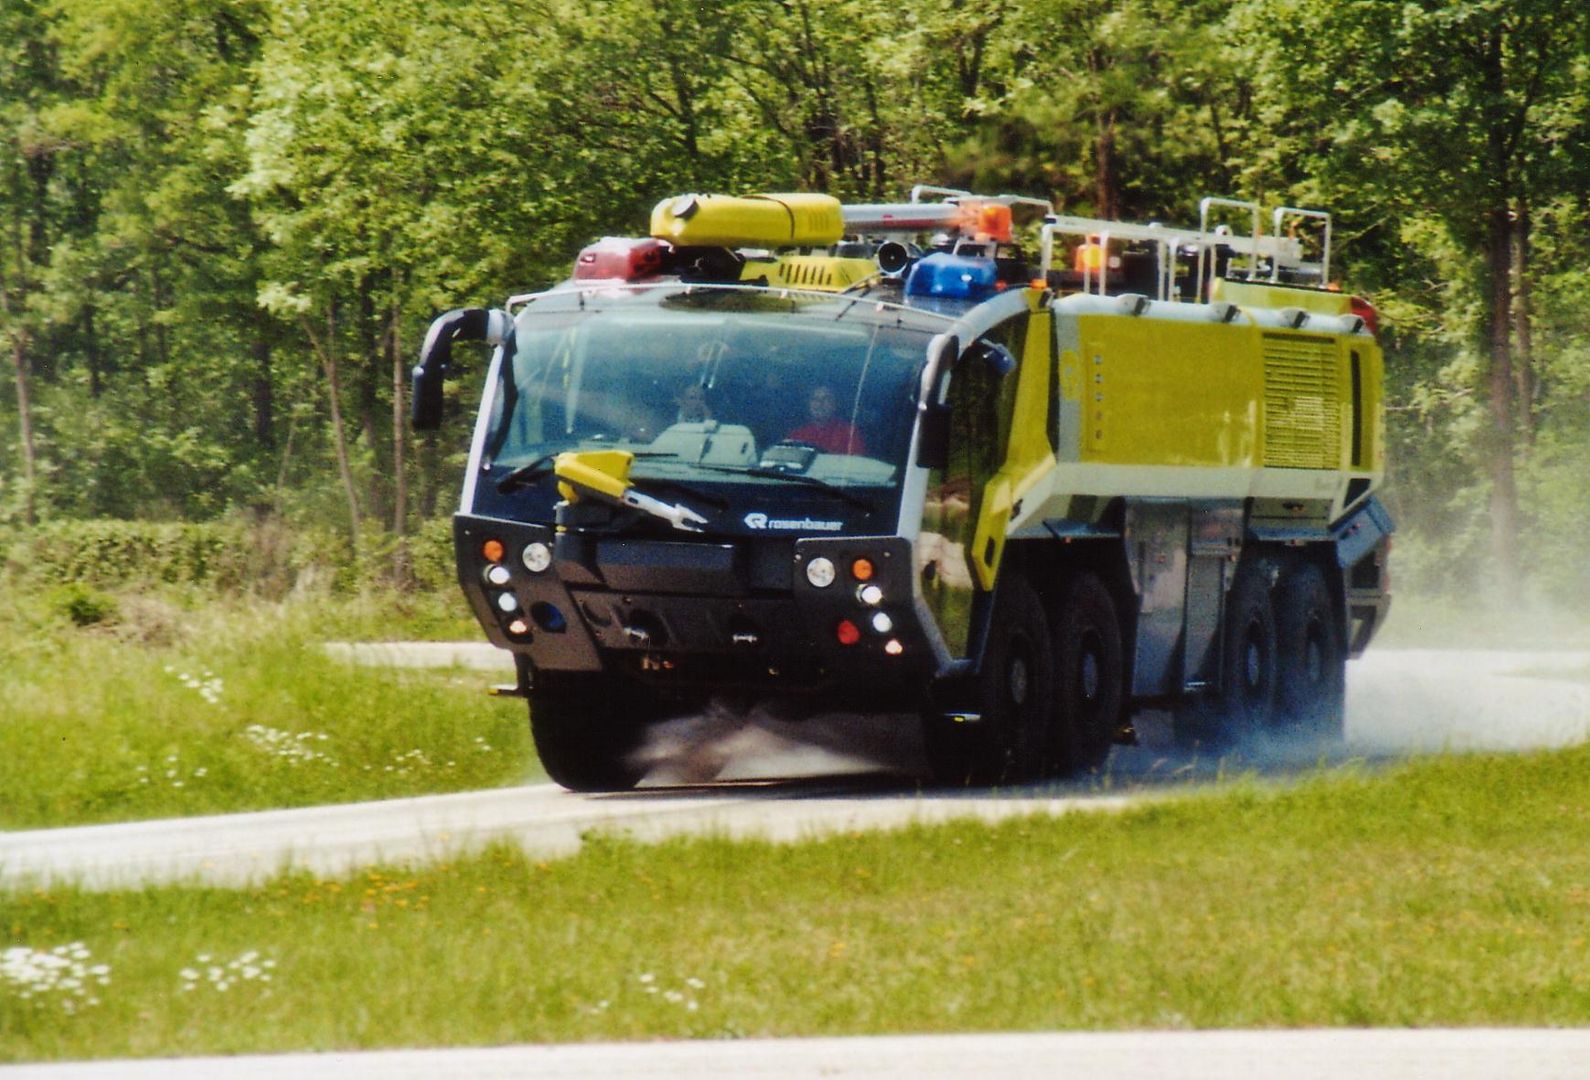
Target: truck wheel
x=586, y=735
x=1244, y=705
x=1088, y=674
x=1312, y=681
x=1010, y=739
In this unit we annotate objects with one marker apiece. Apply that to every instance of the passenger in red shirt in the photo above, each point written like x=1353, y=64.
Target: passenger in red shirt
x=825, y=430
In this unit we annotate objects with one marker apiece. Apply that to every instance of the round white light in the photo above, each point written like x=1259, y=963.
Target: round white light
x=871, y=595
x=497, y=574
x=881, y=622
x=820, y=572
x=507, y=603
x=537, y=557
x=893, y=647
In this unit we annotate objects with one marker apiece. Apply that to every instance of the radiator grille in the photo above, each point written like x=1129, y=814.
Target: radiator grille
x=1302, y=403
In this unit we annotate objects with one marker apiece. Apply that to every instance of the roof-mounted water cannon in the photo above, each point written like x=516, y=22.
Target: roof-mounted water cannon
x=771, y=221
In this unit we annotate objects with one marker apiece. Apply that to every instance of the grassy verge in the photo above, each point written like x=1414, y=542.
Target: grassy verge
x=168, y=710
x=1444, y=892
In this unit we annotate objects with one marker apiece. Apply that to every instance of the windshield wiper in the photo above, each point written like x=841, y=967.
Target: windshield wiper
x=765, y=473
x=542, y=466
x=527, y=474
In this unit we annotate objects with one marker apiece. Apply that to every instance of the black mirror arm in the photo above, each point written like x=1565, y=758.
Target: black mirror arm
x=436, y=357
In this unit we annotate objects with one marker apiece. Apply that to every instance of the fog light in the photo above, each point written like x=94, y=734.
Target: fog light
x=871, y=595
x=492, y=550
x=548, y=617
x=498, y=575
x=847, y=632
x=881, y=622
x=893, y=647
x=507, y=603
x=820, y=572
x=536, y=557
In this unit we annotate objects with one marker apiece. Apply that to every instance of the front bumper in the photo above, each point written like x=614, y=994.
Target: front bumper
x=701, y=615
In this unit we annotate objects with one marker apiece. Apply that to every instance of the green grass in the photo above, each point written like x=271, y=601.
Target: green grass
x=162, y=710
x=1444, y=892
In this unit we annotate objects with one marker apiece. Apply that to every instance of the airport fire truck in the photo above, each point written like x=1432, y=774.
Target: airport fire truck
x=885, y=459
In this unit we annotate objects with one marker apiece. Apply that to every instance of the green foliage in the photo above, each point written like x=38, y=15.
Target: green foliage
x=84, y=605
x=227, y=707
x=209, y=208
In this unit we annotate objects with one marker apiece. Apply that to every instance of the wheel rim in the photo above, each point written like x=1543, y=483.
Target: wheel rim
x=1089, y=680
x=1017, y=678
x=1253, y=661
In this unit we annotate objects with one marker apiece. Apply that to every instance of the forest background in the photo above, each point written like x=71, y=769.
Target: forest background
x=226, y=224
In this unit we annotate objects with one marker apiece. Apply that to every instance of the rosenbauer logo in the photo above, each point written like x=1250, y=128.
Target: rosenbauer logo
x=757, y=520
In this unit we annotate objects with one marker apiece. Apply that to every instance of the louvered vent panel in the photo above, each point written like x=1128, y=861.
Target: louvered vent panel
x=1302, y=409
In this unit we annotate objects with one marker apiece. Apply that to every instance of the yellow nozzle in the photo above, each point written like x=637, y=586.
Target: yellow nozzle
x=597, y=472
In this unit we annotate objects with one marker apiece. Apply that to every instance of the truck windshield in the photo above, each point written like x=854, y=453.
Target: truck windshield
x=714, y=385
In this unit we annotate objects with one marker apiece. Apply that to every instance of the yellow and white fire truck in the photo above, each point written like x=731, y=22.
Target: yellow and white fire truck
x=879, y=458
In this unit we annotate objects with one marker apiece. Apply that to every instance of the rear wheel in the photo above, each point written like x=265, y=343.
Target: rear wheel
x=1312, y=679
x=1089, y=674
x=587, y=734
x=1244, y=705
x=1009, y=738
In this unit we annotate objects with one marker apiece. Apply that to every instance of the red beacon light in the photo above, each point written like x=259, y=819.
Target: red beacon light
x=620, y=258
x=1366, y=311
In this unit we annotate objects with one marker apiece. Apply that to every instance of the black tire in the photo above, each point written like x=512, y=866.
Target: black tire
x=1312, y=684
x=1010, y=740
x=587, y=734
x=1244, y=704
x=1089, y=674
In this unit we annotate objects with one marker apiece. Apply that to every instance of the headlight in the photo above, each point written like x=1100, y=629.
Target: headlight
x=820, y=572
x=871, y=595
x=536, y=556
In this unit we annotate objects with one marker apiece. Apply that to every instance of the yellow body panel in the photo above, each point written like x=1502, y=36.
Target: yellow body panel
x=799, y=220
x=1258, y=294
x=1157, y=392
x=825, y=273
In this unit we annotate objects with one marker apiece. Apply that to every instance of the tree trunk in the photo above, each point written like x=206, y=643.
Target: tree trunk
x=1504, y=490
x=1524, y=375
x=264, y=393
x=19, y=359
x=401, y=570
x=339, y=435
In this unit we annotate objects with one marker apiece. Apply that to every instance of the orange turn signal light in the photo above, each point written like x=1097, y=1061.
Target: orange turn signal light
x=492, y=550
x=861, y=569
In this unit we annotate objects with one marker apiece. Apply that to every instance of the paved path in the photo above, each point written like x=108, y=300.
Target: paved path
x=1476, y=1054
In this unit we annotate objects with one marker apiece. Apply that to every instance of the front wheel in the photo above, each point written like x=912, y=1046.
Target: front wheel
x=587, y=734
x=1008, y=738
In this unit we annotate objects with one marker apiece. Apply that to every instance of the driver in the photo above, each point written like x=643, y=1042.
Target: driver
x=823, y=428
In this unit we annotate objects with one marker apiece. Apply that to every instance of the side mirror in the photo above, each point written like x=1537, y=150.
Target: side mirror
x=994, y=355
x=436, y=357
x=933, y=403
